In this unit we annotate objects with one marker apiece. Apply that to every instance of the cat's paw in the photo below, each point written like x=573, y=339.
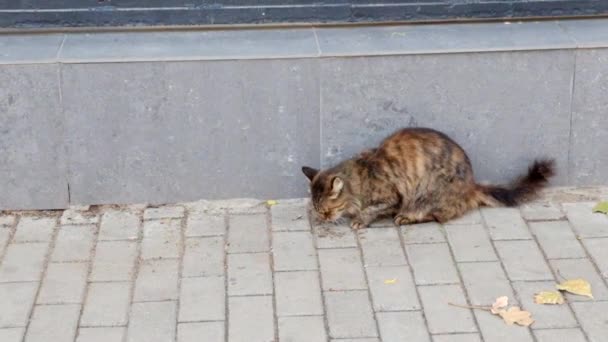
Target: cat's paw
x=401, y=220
x=356, y=224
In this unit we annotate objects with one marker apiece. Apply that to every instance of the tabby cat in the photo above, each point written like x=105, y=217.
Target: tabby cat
x=415, y=175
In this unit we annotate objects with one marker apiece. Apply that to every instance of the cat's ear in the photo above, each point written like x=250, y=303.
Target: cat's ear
x=309, y=172
x=336, y=186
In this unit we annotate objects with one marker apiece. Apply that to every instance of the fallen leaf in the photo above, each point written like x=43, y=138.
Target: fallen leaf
x=576, y=286
x=270, y=203
x=515, y=315
x=549, y=297
x=501, y=302
x=601, y=207
x=390, y=281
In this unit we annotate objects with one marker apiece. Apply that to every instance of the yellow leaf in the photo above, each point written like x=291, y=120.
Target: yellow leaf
x=601, y=207
x=576, y=286
x=515, y=315
x=270, y=203
x=548, y=297
x=390, y=281
x=500, y=303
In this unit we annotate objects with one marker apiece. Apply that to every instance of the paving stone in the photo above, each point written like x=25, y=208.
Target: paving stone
x=386, y=222
x=341, y=269
x=107, y=304
x=63, y=284
x=12, y=334
x=157, y=281
x=441, y=317
x=523, y=260
x=553, y=335
x=332, y=236
x=293, y=251
x=202, y=224
x=470, y=243
x=35, y=229
x=557, y=239
x=202, y=299
x=298, y=293
x=7, y=220
x=472, y=217
x=302, y=329
x=581, y=268
x=592, y=316
x=119, y=225
x=430, y=232
x=539, y=211
x=402, y=326
x=200, y=331
x=75, y=216
x=381, y=247
x=484, y=281
x=432, y=264
x=162, y=239
x=399, y=295
x=249, y=274
x=344, y=322
x=74, y=243
x=290, y=217
x=152, y=322
x=114, y=261
x=505, y=224
x=167, y=211
x=16, y=300
x=586, y=223
x=23, y=262
x=55, y=323
x=598, y=248
x=105, y=334
x=248, y=234
x=457, y=338
x=204, y=257
x=495, y=330
x=545, y=316
x=242, y=328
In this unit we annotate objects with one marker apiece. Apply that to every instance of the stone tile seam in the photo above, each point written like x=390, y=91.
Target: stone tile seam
x=136, y=268
x=226, y=276
x=269, y=232
x=401, y=237
x=47, y=257
x=315, y=243
x=461, y=284
x=366, y=279
x=500, y=261
x=555, y=276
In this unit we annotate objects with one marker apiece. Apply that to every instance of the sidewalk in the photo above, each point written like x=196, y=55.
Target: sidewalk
x=238, y=271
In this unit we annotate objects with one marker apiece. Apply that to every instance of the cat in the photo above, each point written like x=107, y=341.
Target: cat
x=416, y=175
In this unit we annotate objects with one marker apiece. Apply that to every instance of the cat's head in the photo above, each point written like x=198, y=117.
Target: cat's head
x=328, y=192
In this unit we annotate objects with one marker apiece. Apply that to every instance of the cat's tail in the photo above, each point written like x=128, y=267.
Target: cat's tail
x=524, y=189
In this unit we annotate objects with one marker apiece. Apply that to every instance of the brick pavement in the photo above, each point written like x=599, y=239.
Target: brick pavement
x=235, y=271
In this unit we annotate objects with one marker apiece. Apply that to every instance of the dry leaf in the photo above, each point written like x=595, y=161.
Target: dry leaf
x=549, y=297
x=270, y=203
x=576, y=286
x=390, y=281
x=500, y=303
x=515, y=315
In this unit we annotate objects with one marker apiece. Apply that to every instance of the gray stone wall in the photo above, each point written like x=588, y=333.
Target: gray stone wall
x=161, y=117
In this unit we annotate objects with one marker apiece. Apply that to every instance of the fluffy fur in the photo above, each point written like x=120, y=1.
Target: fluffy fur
x=415, y=175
